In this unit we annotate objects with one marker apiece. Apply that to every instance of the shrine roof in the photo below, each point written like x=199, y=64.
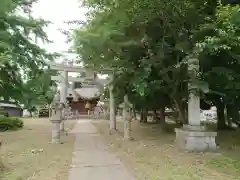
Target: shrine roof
x=85, y=92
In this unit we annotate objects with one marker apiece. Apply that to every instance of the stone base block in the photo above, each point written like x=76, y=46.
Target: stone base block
x=112, y=131
x=56, y=131
x=62, y=127
x=194, y=128
x=107, y=116
x=198, y=141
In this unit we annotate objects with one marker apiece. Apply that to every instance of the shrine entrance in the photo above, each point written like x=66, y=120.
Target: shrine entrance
x=79, y=94
x=85, y=99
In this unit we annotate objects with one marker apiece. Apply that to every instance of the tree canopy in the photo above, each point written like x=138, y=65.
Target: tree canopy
x=156, y=48
x=22, y=60
x=38, y=91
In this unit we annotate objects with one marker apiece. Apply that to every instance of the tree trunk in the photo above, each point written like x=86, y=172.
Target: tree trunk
x=6, y=99
x=30, y=113
x=162, y=116
x=220, y=116
x=141, y=115
x=49, y=112
x=143, y=118
x=38, y=110
x=155, y=115
x=134, y=113
x=145, y=115
x=228, y=115
x=232, y=114
x=181, y=111
x=235, y=114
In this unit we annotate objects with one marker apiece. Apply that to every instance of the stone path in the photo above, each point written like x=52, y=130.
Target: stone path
x=91, y=158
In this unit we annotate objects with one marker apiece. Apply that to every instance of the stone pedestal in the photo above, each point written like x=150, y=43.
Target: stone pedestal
x=62, y=126
x=62, y=118
x=56, y=131
x=194, y=137
x=56, y=121
x=127, y=118
x=195, y=140
x=107, y=116
x=194, y=127
x=127, y=130
x=89, y=114
x=112, y=110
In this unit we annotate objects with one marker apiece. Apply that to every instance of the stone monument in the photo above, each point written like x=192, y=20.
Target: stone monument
x=127, y=117
x=193, y=136
x=56, y=113
x=112, y=108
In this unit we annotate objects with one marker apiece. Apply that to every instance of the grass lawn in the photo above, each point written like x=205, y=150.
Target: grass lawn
x=23, y=164
x=153, y=155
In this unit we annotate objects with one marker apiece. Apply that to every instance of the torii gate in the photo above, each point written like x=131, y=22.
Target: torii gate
x=64, y=69
x=64, y=78
x=61, y=78
x=69, y=67
x=84, y=80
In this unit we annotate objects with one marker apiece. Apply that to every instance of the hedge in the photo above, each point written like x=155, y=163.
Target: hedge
x=3, y=113
x=7, y=123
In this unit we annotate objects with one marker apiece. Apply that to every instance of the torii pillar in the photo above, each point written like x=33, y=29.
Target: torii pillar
x=64, y=69
x=112, y=104
x=63, y=96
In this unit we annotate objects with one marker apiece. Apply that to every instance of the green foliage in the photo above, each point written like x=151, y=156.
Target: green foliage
x=217, y=47
x=3, y=113
x=7, y=123
x=19, y=34
x=43, y=113
x=144, y=48
x=39, y=90
x=157, y=48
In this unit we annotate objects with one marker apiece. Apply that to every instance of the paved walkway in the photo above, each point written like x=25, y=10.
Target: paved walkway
x=91, y=158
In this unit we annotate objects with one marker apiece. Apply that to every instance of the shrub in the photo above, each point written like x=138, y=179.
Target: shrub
x=44, y=113
x=3, y=113
x=7, y=123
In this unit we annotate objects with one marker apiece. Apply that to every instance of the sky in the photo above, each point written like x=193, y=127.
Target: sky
x=58, y=11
